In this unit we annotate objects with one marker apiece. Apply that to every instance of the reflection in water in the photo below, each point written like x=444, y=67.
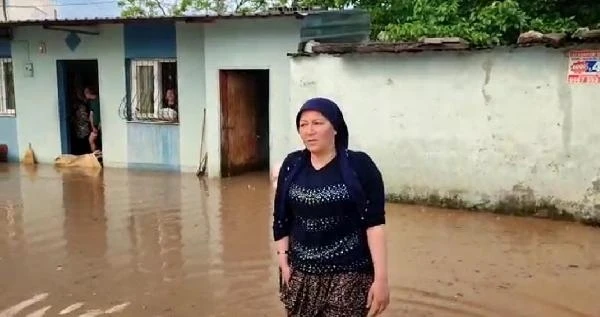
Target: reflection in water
x=12, y=243
x=155, y=226
x=247, y=262
x=84, y=207
x=165, y=244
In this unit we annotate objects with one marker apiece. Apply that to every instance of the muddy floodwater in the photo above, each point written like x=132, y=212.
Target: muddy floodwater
x=124, y=243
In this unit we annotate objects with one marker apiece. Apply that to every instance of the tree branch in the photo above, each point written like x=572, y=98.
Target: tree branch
x=4, y=10
x=159, y=5
x=239, y=5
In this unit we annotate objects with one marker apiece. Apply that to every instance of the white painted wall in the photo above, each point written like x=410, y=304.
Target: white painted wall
x=192, y=92
x=250, y=44
x=37, y=96
x=484, y=126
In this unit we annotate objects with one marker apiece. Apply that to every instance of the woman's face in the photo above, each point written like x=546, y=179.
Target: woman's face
x=316, y=132
x=170, y=96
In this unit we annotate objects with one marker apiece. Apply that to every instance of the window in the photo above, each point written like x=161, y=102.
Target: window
x=154, y=89
x=7, y=87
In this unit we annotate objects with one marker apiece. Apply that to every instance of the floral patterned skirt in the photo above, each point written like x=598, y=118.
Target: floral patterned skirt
x=327, y=295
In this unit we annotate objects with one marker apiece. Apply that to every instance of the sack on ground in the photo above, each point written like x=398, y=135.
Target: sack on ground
x=85, y=160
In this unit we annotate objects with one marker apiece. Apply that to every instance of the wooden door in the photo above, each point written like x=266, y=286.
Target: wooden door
x=240, y=147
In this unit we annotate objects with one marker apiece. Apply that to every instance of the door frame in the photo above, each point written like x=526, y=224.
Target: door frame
x=223, y=139
x=222, y=93
x=65, y=127
x=63, y=104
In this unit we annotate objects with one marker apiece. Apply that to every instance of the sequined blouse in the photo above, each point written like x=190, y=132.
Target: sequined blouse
x=327, y=234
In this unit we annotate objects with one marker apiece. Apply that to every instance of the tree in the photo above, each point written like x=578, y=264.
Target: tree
x=147, y=8
x=481, y=22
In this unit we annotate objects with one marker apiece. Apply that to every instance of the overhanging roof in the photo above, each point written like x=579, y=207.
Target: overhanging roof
x=163, y=19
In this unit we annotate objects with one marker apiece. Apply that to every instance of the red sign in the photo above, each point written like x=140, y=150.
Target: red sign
x=584, y=67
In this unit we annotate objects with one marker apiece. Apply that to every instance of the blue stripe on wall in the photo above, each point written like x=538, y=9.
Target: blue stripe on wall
x=8, y=125
x=153, y=146
x=5, y=48
x=65, y=140
x=8, y=136
x=150, y=40
x=128, y=87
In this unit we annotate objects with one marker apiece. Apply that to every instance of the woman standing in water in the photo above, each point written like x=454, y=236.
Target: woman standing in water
x=329, y=222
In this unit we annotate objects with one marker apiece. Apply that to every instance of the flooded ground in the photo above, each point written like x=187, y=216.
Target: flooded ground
x=159, y=244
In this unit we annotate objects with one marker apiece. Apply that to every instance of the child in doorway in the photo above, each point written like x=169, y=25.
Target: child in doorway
x=94, y=105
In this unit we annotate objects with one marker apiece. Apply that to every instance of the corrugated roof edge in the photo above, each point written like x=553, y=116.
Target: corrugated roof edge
x=427, y=44
x=123, y=20
x=528, y=39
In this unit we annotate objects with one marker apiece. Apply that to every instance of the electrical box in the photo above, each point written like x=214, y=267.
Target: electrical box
x=29, y=70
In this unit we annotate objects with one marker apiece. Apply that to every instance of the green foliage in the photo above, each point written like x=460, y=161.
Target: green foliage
x=145, y=8
x=331, y=4
x=496, y=23
x=481, y=22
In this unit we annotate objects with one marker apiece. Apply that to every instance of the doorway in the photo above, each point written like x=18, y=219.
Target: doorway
x=73, y=76
x=244, y=121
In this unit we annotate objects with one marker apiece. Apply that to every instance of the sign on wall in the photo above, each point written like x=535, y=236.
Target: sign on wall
x=584, y=67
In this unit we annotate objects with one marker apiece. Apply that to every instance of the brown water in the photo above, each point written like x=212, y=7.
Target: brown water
x=162, y=244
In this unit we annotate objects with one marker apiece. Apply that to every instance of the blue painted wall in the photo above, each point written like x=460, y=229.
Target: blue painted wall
x=149, y=145
x=8, y=136
x=5, y=48
x=8, y=124
x=150, y=40
x=153, y=146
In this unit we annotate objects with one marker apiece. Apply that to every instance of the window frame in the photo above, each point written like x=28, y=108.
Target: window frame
x=4, y=111
x=158, y=96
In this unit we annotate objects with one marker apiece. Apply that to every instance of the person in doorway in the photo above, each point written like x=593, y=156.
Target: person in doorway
x=95, y=139
x=171, y=99
x=169, y=110
x=328, y=222
x=82, y=126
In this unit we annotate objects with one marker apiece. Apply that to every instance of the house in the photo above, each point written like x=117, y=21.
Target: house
x=229, y=73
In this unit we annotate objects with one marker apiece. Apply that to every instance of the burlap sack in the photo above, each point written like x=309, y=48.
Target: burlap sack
x=85, y=160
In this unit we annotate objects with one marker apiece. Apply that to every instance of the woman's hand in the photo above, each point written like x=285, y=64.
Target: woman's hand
x=286, y=273
x=275, y=175
x=378, y=298
x=282, y=257
x=379, y=293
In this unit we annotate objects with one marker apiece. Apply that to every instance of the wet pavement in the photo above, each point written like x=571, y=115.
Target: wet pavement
x=123, y=243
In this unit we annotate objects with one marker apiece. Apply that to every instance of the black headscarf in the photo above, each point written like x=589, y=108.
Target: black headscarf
x=332, y=112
